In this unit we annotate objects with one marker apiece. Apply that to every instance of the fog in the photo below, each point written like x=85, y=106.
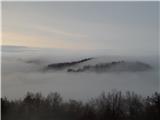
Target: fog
x=22, y=71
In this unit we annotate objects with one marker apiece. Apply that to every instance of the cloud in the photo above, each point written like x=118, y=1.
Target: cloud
x=60, y=32
x=22, y=39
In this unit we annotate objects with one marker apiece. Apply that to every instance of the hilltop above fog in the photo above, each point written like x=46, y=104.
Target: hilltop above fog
x=99, y=65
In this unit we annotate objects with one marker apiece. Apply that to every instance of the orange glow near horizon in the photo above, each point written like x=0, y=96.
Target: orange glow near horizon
x=17, y=39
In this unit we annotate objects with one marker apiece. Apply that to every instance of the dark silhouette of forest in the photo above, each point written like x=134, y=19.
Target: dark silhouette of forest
x=111, y=106
x=104, y=67
x=99, y=67
x=59, y=66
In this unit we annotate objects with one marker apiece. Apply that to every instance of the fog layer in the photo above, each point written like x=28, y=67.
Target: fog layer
x=22, y=72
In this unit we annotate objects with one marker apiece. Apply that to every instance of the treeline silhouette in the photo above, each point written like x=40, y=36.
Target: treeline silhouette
x=59, y=66
x=119, y=66
x=98, y=67
x=106, y=67
x=111, y=106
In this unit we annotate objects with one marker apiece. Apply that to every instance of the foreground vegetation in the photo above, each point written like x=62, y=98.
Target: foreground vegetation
x=110, y=106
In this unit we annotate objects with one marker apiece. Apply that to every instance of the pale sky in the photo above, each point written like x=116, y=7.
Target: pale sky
x=121, y=27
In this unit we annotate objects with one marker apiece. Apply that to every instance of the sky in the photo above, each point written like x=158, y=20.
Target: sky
x=117, y=27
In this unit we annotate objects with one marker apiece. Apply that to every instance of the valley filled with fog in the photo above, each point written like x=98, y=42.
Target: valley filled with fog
x=24, y=69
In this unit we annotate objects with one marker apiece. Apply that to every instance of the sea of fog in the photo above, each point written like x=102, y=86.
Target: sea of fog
x=22, y=72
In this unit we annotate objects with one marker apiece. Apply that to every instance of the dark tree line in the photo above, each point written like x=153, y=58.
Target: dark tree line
x=60, y=66
x=106, y=67
x=98, y=67
x=111, y=106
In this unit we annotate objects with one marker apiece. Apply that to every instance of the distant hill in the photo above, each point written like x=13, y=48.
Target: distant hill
x=87, y=65
x=119, y=66
x=60, y=66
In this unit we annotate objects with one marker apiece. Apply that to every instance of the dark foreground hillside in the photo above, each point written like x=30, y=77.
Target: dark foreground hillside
x=110, y=106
